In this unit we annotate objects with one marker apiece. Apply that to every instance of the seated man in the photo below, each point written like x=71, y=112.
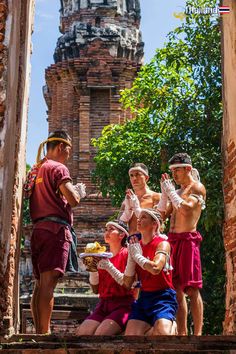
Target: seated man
x=154, y=311
x=111, y=314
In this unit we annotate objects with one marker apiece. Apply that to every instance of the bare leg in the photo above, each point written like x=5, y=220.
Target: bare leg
x=108, y=328
x=48, y=282
x=87, y=328
x=34, y=306
x=182, y=313
x=137, y=328
x=162, y=327
x=196, y=307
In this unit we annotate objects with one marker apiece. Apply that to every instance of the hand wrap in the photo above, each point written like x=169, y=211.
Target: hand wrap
x=128, y=212
x=162, y=204
x=112, y=270
x=135, y=205
x=136, y=253
x=80, y=188
x=169, y=188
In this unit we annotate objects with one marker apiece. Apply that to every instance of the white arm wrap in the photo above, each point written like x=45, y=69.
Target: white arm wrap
x=93, y=278
x=80, y=189
x=162, y=205
x=134, y=202
x=130, y=266
x=112, y=270
x=169, y=188
x=136, y=253
x=176, y=200
x=128, y=212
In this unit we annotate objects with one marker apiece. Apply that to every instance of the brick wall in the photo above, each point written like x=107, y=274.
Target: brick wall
x=229, y=158
x=83, y=90
x=15, y=46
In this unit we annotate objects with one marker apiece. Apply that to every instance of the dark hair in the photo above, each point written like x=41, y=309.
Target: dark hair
x=57, y=134
x=139, y=164
x=180, y=158
x=126, y=227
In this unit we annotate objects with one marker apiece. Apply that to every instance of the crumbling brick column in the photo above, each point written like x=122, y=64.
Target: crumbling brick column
x=15, y=46
x=99, y=54
x=229, y=158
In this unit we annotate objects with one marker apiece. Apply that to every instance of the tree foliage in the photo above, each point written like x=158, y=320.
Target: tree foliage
x=177, y=104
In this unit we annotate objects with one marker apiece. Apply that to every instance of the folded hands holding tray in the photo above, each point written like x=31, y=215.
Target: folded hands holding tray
x=92, y=254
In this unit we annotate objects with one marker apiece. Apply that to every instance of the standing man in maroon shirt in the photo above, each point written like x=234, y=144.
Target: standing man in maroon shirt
x=52, y=197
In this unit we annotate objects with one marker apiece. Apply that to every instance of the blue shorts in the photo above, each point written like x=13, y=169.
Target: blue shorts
x=154, y=305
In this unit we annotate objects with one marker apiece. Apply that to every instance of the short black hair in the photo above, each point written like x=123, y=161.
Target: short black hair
x=57, y=134
x=139, y=164
x=181, y=157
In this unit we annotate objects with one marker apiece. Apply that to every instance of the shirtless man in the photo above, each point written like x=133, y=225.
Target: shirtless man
x=185, y=210
x=140, y=197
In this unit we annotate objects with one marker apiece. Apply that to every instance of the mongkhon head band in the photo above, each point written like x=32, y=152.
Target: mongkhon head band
x=138, y=168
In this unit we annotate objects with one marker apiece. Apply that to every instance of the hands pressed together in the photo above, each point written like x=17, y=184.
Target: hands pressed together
x=80, y=188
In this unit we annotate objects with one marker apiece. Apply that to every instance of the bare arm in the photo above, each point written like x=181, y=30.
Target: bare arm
x=94, y=288
x=67, y=189
x=155, y=267
x=128, y=281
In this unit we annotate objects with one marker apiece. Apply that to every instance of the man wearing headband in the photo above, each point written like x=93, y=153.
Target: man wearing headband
x=154, y=311
x=185, y=206
x=140, y=197
x=112, y=312
x=52, y=195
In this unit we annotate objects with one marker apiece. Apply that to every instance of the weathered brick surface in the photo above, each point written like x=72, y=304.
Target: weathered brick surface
x=15, y=33
x=229, y=158
x=119, y=344
x=98, y=54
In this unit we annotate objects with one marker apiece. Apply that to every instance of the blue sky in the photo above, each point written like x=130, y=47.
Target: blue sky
x=157, y=20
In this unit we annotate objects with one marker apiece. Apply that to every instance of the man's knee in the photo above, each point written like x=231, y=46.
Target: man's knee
x=180, y=296
x=192, y=292
x=163, y=327
x=49, y=279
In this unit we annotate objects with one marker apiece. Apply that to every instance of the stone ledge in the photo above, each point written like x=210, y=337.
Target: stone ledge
x=32, y=344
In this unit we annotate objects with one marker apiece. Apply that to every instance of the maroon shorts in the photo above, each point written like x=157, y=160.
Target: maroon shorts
x=50, y=244
x=186, y=261
x=116, y=309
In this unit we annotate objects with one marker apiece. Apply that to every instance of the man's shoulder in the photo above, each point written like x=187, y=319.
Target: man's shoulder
x=53, y=165
x=155, y=196
x=198, y=189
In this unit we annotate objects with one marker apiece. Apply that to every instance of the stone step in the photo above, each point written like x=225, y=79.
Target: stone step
x=32, y=344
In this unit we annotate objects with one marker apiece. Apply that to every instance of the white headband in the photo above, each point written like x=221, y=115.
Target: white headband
x=117, y=226
x=138, y=168
x=194, y=171
x=150, y=212
x=175, y=165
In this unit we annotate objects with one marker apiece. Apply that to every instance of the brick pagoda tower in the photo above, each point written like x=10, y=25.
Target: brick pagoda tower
x=98, y=54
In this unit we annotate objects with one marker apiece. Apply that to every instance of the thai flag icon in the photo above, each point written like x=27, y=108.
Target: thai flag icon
x=224, y=10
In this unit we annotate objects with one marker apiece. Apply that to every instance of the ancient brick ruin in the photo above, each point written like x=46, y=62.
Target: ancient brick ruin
x=229, y=160
x=15, y=47
x=98, y=54
x=81, y=76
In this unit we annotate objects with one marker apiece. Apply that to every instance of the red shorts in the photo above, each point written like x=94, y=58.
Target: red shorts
x=116, y=309
x=50, y=245
x=186, y=261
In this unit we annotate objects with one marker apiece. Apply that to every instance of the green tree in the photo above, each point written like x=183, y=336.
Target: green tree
x=177, y=104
